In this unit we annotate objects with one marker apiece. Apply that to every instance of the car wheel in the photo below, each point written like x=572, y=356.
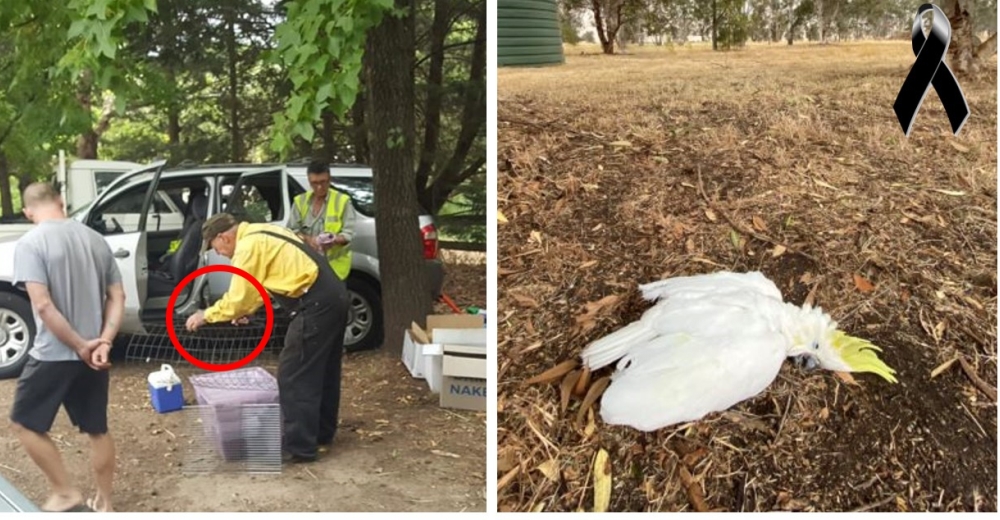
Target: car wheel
x=17, y=334
x=364, y=320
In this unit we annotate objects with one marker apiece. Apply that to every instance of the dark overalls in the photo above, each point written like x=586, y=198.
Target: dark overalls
x=310, y=363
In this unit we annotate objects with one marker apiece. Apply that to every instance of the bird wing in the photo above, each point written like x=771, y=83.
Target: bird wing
x=680, y=378
x=736, y=312
x=718, y=284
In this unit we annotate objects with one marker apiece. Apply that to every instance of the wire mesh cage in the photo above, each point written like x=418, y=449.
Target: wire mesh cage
x=236, y=426
x=212, y=343
x=244, y=438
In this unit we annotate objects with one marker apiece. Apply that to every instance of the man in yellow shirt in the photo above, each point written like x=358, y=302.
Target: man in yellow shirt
x=305, y=286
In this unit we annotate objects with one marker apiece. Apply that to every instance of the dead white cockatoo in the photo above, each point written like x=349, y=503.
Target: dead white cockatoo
x=710, y=342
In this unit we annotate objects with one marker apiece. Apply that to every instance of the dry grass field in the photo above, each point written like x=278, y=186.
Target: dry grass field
x=620, y=170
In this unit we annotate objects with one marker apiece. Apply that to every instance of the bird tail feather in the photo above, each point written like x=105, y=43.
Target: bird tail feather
x=612, y=347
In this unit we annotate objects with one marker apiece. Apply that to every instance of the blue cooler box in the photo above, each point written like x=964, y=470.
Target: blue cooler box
x=167, y=400
x=165, y=390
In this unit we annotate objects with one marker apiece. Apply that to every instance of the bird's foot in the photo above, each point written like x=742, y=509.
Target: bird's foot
x=805, y=362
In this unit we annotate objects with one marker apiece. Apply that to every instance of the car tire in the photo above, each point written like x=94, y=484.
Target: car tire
x=17, y=334
x=365, y=320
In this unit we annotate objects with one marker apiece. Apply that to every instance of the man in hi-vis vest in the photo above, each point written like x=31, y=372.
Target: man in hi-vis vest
x=324, y=218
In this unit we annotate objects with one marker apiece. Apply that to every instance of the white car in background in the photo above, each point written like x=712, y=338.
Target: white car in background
x=150, y=272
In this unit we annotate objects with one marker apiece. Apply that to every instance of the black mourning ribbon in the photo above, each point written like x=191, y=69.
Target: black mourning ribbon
x=930, y=69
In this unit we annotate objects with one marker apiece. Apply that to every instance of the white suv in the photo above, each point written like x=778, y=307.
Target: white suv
x=150, y=272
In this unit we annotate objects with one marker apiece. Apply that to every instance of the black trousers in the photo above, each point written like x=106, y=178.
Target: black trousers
x=309, y=370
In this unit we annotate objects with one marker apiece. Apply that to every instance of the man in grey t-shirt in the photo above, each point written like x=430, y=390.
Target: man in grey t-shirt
x=76, y=293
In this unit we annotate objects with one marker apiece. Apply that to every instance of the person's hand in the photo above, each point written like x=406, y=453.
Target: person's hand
x=241, y=321
x=340, y=240
x=101, y=357
x=86, y=352
x=195, y=320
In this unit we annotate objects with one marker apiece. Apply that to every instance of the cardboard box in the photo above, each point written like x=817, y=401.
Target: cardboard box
x=422, y=352
x=413, y=352
x=463, y=377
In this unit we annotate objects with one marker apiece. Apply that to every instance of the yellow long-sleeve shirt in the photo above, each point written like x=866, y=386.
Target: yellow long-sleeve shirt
x=279, y=266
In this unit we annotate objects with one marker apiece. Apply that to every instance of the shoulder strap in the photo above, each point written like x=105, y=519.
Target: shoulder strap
x=300, y=245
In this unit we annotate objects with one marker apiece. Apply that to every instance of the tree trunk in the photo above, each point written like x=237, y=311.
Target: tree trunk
x=174, y=125
x=236, y=152
x=822, y=22
x=715, y=27
x=435, y=91
x=473, y=119
x=359, y=131
x=988, y=48
x=607, y=43
x=961, y=51
x=87, y=143
x=405, y=292
x=6, y=200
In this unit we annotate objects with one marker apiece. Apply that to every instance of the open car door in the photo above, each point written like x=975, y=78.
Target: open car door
x=258, y=196
x=129, y=247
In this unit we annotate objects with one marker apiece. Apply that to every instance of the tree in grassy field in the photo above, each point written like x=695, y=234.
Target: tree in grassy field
x=966, y=53
x=609, y=17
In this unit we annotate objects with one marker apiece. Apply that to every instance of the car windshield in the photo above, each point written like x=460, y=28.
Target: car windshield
x=77, y=214
x=361, y=190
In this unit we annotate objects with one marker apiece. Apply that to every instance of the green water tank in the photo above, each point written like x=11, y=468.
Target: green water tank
x=528, y=33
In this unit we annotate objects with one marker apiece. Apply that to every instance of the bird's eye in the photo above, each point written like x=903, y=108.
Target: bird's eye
x=816, y=345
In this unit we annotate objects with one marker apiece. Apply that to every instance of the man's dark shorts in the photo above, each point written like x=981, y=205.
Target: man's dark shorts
x=45, y=385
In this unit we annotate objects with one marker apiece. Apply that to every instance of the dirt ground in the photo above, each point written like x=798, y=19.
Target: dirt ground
x=396, y=449
x=616, y=171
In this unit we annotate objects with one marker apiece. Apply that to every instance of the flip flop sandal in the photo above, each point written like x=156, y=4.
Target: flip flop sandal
x=92, y=504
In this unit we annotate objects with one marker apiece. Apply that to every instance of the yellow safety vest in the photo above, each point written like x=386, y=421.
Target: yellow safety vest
x=339, y=255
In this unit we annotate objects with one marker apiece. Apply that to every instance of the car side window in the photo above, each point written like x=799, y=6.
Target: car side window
x=260, y=197
x=120, y=214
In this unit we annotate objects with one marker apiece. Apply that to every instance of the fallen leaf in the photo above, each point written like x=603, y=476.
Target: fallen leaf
x=550, y=469
x=846, y=377
x=566, y=388
x=939, y=331
x=950, y=192
x=446, y=454
x=536, y=237
x=602, y=482
x=943, y=366
x=736, y=239
x=591, y=263
x=583, y=383
x=587, y=320
x=501, y=218
x=591, y=425
x=621, y=144
x=711, y=215
x=555, y=373
x=901, y=504
x=778, y=250
x=959, y=147
x=824, y=414
x=689, y=245
x=825, y=185
x=593, y=394
x=525, y=301
x=759, y=224
x=863, y=284
x=506, y=462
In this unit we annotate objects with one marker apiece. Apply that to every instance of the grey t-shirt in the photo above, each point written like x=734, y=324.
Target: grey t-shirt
x=77, y=265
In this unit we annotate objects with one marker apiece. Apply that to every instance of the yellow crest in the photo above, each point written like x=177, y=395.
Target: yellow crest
x=860, y=355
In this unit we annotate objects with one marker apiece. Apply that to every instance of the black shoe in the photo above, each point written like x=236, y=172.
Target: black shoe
x=291, y=458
